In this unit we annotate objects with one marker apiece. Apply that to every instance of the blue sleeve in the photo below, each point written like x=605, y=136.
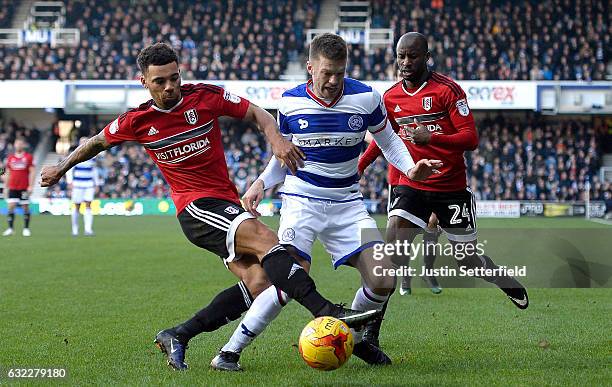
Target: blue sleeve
x=378, y=117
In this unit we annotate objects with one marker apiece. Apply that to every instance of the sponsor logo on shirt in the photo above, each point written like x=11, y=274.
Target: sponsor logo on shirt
x=183, y=152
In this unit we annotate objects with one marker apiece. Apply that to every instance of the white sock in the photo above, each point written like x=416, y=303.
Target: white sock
x=75, y=220
x=264, y=309
x=88, y=220
x=366, y=299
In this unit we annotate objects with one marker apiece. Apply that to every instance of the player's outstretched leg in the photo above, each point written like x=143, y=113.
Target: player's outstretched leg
x=255, y=238
x=515, y=291
x=373, y=294
x=430, y=240
x=225, y=307
x=265, y=308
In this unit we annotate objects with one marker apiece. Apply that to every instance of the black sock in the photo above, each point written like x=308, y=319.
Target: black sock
x=478, y=261
x=26, y=220
x=372, y=331
x=286, y=274
x=11, y=219
x=225, y=307
x=430, y=239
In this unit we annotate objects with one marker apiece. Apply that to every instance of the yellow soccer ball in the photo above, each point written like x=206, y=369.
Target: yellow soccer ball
x=326, y=343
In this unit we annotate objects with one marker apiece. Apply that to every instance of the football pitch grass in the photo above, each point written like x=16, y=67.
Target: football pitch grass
x=93, y=306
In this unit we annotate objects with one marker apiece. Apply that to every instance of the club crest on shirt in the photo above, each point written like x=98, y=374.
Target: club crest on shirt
x=462, y=107
x=427, y=101
x=355, y=122
x=191, y=116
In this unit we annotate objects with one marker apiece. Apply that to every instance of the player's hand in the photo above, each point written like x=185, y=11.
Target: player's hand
x=50, y=175
x=288, y=154
x=420, y=135
x=423, y=169
x=253, y=196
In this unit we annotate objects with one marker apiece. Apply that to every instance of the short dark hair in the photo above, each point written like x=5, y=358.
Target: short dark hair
x=157, y=54
x=328, y=45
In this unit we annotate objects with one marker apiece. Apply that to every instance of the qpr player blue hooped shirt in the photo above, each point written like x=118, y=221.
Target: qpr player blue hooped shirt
x=331, y=136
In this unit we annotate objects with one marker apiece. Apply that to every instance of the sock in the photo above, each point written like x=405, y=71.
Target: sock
x=265, y=308
x=286, y=274
x=11, y=219
x=26, y=220
x=365, y=299
x=477, y=261
x=430, y=239
x=75, y=221
x=225, y=307
x=88, y=220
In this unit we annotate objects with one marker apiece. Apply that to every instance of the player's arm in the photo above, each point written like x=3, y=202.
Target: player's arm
x=52, y=174
x=286, y=152
x=466, y=138
x=397, y=154
x=273, y=174
x=371, y=153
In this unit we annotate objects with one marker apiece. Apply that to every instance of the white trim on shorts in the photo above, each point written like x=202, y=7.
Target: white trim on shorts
x=231, y=235
x=408, y=216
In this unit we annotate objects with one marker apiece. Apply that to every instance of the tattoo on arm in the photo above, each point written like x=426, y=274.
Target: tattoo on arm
x=92, y=147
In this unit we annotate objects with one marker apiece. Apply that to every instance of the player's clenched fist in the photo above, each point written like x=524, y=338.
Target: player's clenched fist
x=50, y=175
x=423, y=169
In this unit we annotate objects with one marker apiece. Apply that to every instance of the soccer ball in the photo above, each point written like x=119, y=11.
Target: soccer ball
x=326, y=343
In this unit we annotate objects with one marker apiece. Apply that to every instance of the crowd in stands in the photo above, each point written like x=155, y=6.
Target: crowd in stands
x=234, y=40
x=522, y=158
x=7, y=9
x=505, y=40
x=256, y=39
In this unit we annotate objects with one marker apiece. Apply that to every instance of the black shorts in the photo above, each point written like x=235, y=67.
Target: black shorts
x=391, y=197
x=18, y=196
x=211, y=224
x=456, y=211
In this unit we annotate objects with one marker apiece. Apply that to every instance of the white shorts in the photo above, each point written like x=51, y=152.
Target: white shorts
x=344, y=229
x=80, y=195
